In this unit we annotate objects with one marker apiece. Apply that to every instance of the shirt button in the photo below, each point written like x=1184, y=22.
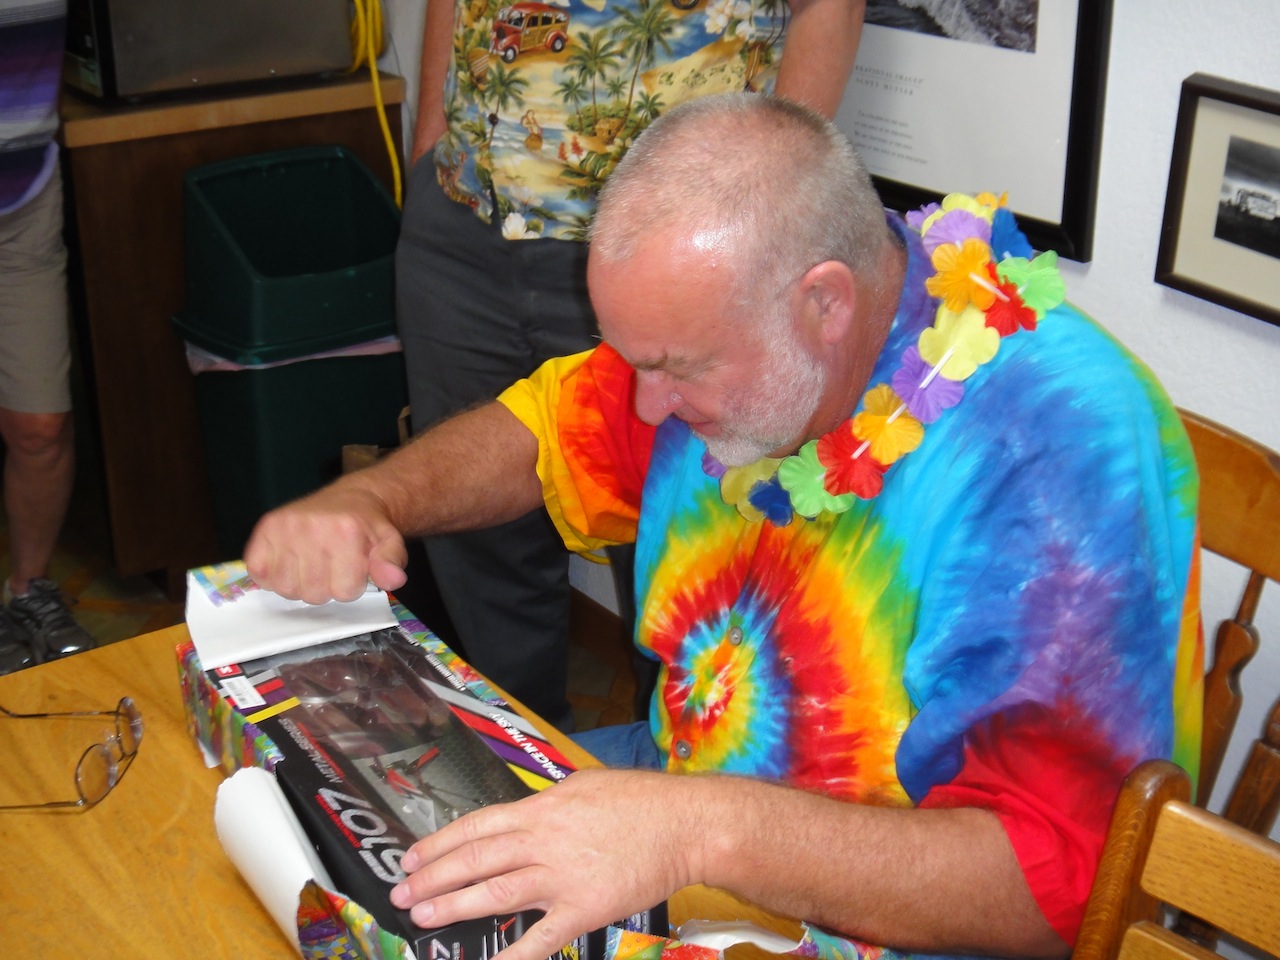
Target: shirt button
x=683, y=749
x=735, y=635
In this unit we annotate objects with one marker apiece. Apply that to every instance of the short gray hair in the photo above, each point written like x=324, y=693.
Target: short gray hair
x=776, y=177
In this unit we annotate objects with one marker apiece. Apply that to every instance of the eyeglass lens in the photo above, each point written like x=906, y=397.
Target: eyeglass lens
x=128, y=727
x=96, y=773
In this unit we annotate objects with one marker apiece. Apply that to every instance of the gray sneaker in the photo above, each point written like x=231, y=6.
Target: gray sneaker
x=15, y=645
x=43, y=612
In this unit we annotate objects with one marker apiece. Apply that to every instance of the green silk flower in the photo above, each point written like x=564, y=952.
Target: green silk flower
x=1038, y=281
x=803, y=476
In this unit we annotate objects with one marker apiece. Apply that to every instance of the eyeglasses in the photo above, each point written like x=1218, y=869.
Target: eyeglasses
x=104, y=763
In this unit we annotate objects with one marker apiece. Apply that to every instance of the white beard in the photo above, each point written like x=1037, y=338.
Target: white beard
x=773, y=415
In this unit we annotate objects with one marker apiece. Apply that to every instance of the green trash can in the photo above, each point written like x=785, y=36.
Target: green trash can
x=289, y=322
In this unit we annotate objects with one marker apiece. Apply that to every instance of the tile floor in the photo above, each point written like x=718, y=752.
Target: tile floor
x=114, y=608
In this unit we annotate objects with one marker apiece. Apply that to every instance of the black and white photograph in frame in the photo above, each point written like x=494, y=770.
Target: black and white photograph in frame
x=1010, y=24
x=998, y=96
x=1249, y=207
x=1220, y=238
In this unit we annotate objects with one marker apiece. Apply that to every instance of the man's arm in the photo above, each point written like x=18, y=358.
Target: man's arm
x=437, y=50
x=925, y=880
x=822, y=42
x=474, y=470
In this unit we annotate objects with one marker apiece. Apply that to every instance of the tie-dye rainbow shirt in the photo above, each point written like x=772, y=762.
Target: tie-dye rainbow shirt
x=1012, y=623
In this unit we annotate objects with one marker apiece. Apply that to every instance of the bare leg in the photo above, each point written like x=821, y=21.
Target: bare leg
x=39, y=470
x=38, y=474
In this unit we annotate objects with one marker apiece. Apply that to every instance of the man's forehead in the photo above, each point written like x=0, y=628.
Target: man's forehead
x=664, y=309
x=673, y=248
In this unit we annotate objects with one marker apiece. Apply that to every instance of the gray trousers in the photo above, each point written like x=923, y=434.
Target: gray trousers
x=476, y=313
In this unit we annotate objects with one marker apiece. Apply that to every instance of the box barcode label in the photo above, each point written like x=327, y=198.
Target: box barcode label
x=241, y=693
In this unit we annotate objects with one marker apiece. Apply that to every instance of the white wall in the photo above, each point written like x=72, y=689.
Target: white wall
x=403, y=51
x=1213, y=360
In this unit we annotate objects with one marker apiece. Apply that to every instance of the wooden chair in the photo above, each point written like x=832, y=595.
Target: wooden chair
x=1116, y=900
x=1239, y=520
x=1200, y=863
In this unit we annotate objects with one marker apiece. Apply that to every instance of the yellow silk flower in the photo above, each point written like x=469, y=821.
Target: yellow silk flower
x=889, y=439
x=968, y=338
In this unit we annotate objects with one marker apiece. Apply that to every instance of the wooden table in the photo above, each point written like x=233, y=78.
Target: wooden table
x=142, y=874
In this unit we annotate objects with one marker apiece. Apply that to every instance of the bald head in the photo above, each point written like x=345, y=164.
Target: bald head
x=767, y=180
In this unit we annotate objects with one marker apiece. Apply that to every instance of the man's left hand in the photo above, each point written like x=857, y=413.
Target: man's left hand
x=589, y=851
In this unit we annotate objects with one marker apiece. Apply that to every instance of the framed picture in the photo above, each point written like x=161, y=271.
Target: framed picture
x=1004, y=98
x=1220, y=239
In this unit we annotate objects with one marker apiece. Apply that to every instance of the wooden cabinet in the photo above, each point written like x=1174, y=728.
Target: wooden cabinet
x=125, y=169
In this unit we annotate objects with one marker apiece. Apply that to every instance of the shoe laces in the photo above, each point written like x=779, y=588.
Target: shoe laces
x=45, y=604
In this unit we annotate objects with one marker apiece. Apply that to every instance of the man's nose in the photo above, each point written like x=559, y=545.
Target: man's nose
x=656, y=396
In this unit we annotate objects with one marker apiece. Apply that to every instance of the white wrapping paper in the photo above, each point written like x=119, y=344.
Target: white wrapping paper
x=263, y=838
x=233, y=626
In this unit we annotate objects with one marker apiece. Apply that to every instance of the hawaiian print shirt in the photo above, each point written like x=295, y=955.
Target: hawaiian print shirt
x=1012, y=624
x=543, y=99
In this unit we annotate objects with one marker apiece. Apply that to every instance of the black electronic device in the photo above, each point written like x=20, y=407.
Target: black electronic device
x=135, y=49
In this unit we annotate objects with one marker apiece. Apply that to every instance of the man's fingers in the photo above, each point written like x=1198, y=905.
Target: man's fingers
x=327, y=546
x=260, y=560
x=507, y=893
x=447, y=871
x=541, y=940
x=495, y=820
x=339, y=580
x=387, y=563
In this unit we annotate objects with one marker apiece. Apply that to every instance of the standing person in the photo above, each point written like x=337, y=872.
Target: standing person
x=525, y=109
x=35, y=352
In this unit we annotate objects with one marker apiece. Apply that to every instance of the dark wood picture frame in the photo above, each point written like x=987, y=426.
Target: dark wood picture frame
x=1204, y=209
x=1072, y=236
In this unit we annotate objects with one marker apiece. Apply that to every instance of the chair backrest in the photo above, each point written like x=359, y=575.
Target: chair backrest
x=1116, y=900
x=1239, y=520
x=1200, y=863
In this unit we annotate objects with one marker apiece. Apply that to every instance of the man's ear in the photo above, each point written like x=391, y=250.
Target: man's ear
x=827, y=296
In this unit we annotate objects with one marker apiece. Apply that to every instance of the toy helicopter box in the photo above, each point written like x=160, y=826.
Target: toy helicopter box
x=376, y=740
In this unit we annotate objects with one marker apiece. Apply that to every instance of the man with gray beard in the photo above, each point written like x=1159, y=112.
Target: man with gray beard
x=914, y=541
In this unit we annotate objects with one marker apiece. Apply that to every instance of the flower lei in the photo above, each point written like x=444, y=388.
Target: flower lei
x=982, y=301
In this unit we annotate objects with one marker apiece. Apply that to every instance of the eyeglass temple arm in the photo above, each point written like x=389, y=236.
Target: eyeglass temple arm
x=60, y=713
x=41, y=806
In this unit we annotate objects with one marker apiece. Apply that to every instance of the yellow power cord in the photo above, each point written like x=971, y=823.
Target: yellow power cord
x=367, y=42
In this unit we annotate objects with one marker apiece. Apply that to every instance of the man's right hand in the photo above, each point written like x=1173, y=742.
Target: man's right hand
x=327, y=546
